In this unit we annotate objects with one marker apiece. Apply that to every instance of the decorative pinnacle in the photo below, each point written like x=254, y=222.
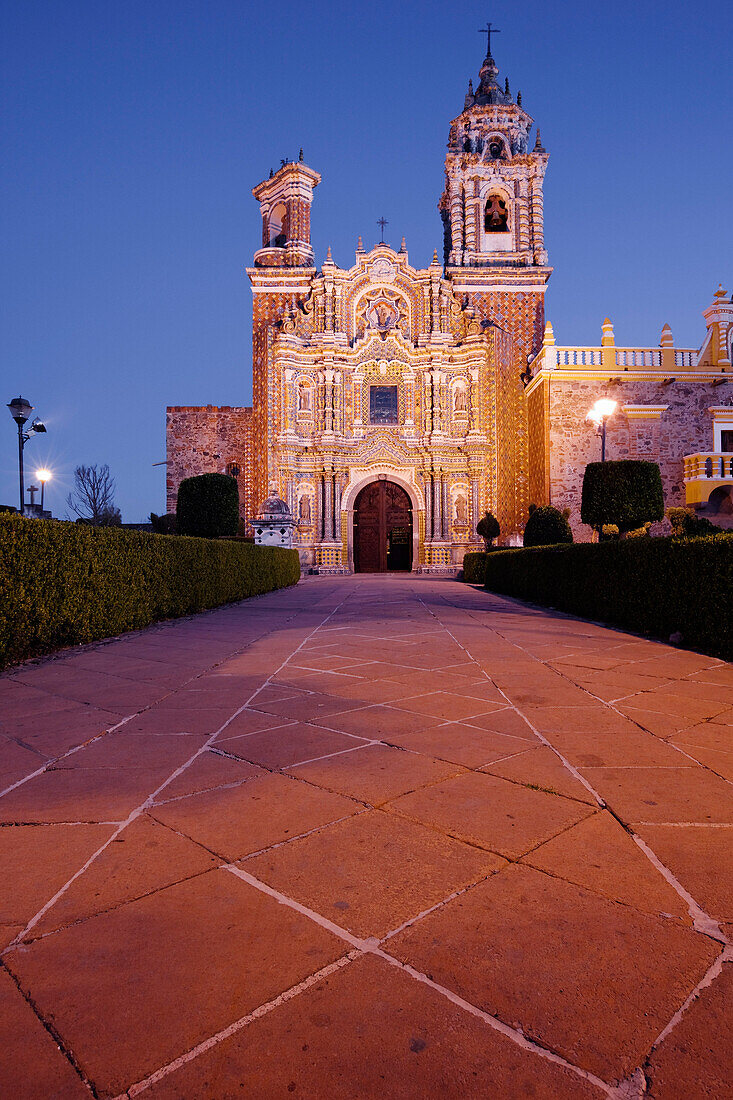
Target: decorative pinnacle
x=435, y=256
x=329, y=257
x=403, y=246
x=538, y=146
x=506, y=86
x=519, y=99
x=488, y=30
x=360, y=245
x=300, y=155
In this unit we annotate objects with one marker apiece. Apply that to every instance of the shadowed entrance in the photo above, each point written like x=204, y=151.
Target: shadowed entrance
x=382, y=529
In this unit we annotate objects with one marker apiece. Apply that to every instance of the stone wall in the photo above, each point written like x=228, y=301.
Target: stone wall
x=685, y=427
x=205, y=440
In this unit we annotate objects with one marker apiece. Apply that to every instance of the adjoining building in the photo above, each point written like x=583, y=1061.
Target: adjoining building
x=392, y=405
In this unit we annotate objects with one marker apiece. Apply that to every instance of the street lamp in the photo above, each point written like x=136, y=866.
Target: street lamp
x=598, y=415
x=20, y=410
x=43, y=476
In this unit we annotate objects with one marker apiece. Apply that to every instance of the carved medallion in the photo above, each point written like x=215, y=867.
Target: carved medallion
x=382, y=271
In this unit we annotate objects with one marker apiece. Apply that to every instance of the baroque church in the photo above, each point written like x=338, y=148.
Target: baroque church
x=393, y=405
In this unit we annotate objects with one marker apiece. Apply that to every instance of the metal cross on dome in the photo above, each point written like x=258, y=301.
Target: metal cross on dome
x=382, y=222
x=488, y=30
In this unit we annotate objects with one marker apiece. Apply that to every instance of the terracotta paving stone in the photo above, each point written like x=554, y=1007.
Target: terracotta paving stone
x=378, y=721
x=598, y=985
x=375, y=773
x=664, y=794
x=592, y=718
x=17, y=761
x=362, y=692
x=327, y=1042
x=236, y=821
x=35, y=862
x=675, y=704
x=460, y=743
x=542, y=768
x=629, y=746
x=656, y=722
x=371, y=873
x=691, y=1061
x=161, y=720
x=125, y=749
x=146, y=856
x=708, y=735
x=79, y=794
x=22, y=699
x=212, y=944
x=448, y=706
x=306, y=708
x=719, y=762
x=287, y=745
x=56, y=733
x=491, y=812
x=506, y=721
x=209, y=770
x=31, y=1065
x=250, y=721
x=700, y=858
x=599, y=854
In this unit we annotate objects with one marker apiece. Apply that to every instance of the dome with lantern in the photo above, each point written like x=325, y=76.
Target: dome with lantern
x=273, y=525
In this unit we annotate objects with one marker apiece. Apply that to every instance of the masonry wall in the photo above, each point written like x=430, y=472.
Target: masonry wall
x=684, y=428
x=205, y=440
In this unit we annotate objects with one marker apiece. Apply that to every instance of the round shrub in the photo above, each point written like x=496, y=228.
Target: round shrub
x=547, y=526
x=488, y=528
x=626, y=492
x=208, y=506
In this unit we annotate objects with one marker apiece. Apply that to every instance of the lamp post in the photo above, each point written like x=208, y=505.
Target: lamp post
x=599, y=415
x=43, y=476
x=20, y=410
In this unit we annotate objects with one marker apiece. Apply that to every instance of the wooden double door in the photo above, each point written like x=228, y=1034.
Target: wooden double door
x=382, y=529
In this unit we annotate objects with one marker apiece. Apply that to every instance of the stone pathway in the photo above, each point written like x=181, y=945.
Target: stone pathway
x=368, y=837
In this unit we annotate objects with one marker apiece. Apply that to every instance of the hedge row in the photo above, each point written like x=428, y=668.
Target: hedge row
x=64, y=584
x=474, y=565
x=660, y=586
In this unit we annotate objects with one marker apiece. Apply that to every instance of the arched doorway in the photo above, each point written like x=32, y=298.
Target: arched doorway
x=382, y=528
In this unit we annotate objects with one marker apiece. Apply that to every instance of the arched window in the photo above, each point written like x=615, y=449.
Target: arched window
x=278, y=236
x=233, y=469
x=496, y=215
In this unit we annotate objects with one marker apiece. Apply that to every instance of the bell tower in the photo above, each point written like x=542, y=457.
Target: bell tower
x=285, y=205
x=492, y=210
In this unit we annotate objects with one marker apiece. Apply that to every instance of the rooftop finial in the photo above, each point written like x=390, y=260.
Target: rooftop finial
x=360, y=245
x=538, y=146
x=300, y=155
x=403, y=246
x=488, y=30
x=329, y=257
x=382, y=222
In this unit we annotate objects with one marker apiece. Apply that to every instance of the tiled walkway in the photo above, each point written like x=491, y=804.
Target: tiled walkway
x=368, y=837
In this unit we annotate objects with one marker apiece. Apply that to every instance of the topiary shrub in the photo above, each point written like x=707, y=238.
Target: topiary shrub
x=627, y=493
x=208, y=506
x=164, y=525
x=547, y=526
x=488, y=528
x=474, y=567
x=686, y=525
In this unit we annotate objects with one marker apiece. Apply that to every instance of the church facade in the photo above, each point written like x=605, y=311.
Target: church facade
x=393, y=405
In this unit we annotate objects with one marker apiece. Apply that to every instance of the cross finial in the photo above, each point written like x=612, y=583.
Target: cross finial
x=488, y=30
x=382, y=222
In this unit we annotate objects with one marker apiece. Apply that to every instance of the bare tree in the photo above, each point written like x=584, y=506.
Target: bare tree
x=93, y=498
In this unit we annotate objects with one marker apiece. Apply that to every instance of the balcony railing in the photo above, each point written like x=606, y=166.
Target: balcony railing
x=711, y=464
x=638, y=358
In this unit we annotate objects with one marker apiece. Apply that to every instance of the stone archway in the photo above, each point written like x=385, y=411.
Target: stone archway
x=382, y=528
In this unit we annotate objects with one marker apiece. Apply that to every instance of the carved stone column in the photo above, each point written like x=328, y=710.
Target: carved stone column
x=475, y=517
x=428, y=492
x=318, y=518
x=446, y=516
x=437, y=509
x=338, y=490
x=328, y=508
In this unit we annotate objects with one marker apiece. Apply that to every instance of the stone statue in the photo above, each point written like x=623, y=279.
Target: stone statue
x=304, y=399
x=304, y=510
x=459, y=402
x=461, y=514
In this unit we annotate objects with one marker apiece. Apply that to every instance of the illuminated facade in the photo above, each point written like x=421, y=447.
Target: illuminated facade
x=393, y=405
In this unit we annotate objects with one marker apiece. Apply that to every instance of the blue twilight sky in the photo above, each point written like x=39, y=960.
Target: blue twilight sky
x=133, y=132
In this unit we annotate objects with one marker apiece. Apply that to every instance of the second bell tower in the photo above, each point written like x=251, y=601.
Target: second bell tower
x=492, y=211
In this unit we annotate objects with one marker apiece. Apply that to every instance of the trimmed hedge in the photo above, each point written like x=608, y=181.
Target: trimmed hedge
x=65, y=584
x=474, y=567
x=659, y=586
x=546, y=526
x=208, y=506
x=627, y=493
